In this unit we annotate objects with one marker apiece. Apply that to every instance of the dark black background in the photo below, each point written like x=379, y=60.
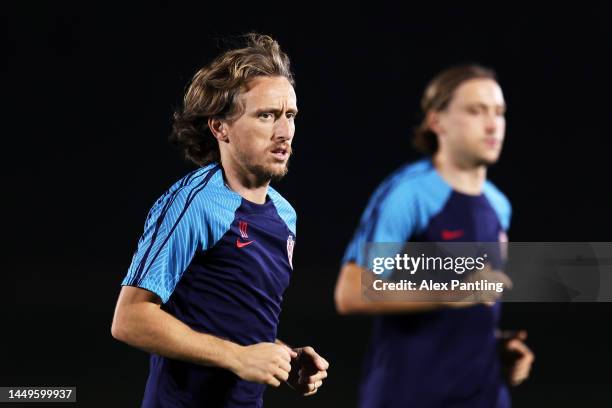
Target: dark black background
x=88, y=95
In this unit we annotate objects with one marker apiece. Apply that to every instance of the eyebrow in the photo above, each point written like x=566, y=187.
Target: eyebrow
x=484, y=105
x=275, y=110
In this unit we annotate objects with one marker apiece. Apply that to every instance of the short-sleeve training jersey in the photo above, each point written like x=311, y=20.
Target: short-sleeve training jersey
x=220, y=264
x=439, y=358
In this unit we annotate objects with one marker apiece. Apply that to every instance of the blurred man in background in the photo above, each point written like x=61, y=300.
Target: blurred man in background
x=438, y=353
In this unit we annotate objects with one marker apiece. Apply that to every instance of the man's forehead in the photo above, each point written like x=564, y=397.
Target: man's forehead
x=269, y=90
x=481, y=90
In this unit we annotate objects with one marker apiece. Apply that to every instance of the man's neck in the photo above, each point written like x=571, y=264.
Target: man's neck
x=246, y=184
x=463, y=177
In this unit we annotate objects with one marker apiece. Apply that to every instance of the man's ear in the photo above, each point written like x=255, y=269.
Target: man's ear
x=434, y=122
x=218, y=129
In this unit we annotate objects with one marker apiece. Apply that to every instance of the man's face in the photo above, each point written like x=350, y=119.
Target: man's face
x=260, y=138
x=473, y=125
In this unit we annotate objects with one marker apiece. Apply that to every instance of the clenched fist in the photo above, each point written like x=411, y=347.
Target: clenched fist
x=264, y=363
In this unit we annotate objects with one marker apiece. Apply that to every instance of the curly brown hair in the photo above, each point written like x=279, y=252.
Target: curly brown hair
x=438, y=94
x=213, y=93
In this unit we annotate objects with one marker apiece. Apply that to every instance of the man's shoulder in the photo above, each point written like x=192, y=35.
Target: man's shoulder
x=279, y=199
x=496, y=196
x=413, y=173
x=499, y=202
x=411, y=181
x=202, y=189
x=197, y=178
x=284, y=208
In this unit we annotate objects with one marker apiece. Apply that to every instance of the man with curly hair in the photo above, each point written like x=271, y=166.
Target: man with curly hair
x=203, y=293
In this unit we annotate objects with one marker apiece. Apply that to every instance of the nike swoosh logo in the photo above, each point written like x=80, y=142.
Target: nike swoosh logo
x=242, y=244
x=449, y=235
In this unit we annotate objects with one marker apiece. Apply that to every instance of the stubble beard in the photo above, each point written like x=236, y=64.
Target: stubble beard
x=263, y=173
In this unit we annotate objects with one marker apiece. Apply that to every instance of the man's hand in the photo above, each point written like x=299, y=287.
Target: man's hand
x=265, y=363
x=308, y=369
x=516, y=357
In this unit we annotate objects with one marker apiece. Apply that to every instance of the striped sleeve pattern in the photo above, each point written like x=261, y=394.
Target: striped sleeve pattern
x=176, y=227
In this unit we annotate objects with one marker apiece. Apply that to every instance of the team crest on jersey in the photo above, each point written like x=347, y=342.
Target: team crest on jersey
x=242, y=226
x=290, y=245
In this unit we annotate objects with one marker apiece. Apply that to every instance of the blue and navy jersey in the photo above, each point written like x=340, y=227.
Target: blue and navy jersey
x=439, y=358
x=220, y=264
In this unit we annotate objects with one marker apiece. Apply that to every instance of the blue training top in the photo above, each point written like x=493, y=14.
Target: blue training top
x=220, y=264
x=441, y=358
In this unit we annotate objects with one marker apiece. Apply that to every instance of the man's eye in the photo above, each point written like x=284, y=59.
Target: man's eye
x=266, y=115
x=290, y=115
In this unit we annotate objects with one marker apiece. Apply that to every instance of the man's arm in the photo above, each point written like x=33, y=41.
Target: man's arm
x=349, y=299
x=140, y=322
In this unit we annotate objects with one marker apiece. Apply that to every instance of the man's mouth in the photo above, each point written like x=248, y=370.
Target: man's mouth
x=492, y=142
x=281, y=153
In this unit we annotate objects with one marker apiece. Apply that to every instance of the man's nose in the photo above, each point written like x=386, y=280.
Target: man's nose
x=491, y=123
x=284, y=128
